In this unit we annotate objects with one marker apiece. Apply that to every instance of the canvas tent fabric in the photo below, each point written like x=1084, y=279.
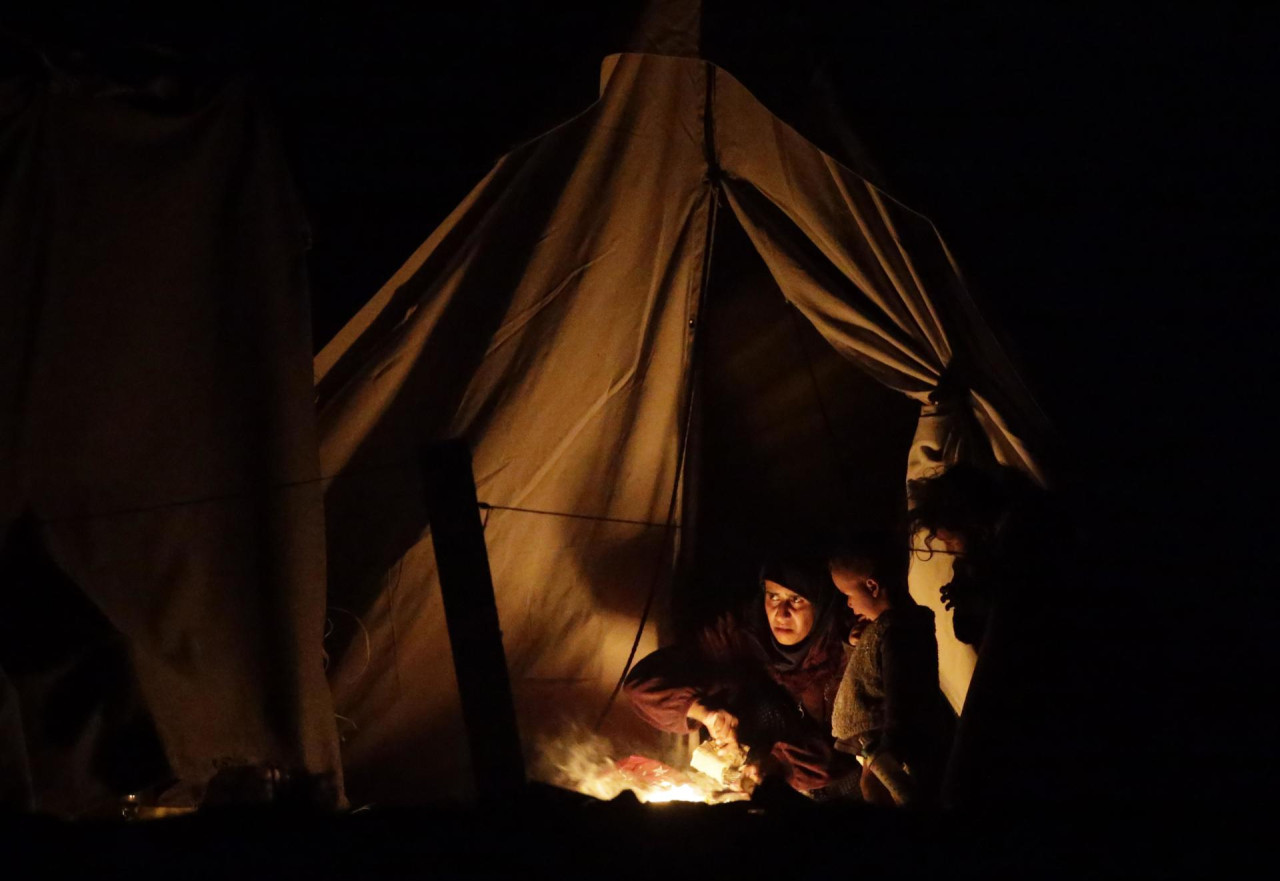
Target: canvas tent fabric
x=157, y=424
x=792, y=447
x=552, y=320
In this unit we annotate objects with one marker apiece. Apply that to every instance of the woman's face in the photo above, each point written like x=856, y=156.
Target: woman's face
x=790, y=615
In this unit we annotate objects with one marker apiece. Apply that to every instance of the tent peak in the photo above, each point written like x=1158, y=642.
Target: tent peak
x=669, y=27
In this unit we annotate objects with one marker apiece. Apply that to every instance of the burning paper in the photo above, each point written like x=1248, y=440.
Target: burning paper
x=583, y=762
x=725, y=763
x=653, y=781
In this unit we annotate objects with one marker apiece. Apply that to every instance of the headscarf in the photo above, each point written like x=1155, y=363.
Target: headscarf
x=814, y=585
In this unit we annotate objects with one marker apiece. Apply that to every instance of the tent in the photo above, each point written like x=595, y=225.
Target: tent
x=157, y=437
x=666, y=327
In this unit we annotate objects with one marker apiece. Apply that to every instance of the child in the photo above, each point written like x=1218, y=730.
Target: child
x=889, y=710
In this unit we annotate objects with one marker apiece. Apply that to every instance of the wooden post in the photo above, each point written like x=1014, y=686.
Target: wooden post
x=471, y=615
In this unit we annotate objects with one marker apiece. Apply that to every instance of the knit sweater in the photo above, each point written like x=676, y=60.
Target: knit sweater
x=889, y=696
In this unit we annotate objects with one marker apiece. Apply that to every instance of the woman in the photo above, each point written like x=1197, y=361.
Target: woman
x=765, y=677
x=1027, y=726
x=996, y=523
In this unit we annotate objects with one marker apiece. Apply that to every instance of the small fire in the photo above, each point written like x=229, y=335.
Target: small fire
x=654, y=782
x=582, y=761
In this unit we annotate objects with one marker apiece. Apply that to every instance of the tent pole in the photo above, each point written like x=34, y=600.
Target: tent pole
x=471, y=615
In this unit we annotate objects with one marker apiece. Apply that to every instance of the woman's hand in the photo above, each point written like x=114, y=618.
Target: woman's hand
x=759, y=767
x=720, y=724
x=723, y=726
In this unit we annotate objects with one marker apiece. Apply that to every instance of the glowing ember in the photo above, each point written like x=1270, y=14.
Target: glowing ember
x=683, y=792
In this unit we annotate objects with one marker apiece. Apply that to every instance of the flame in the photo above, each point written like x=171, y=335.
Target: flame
x=582, y=761
x=682, y=792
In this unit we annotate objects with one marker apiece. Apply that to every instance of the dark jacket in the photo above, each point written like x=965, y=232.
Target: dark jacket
x=1033, y=729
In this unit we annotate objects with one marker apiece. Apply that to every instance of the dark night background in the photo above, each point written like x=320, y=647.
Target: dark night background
x=1101, y=175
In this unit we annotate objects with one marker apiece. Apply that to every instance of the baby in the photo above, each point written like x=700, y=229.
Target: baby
x=888, y=710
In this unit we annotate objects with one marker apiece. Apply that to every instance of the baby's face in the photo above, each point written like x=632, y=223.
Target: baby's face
x=857, y=592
